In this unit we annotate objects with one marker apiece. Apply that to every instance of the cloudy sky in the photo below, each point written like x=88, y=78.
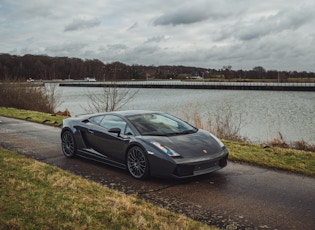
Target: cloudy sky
x=274, y=34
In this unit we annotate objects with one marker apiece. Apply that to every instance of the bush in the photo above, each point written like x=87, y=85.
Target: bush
x=25, y=96
x=222, y=123
x=300, y=145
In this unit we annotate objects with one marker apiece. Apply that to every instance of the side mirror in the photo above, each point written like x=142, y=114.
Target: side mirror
x=115, y=130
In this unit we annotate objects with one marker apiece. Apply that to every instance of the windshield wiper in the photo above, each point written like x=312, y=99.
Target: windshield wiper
x=189, y=131
x=183, y=132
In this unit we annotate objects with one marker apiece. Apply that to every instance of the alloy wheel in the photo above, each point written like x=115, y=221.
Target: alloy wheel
x=137, y=163
x=68, y=144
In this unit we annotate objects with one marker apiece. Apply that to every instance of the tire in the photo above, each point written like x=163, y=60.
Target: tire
x=68, y=145
x=137, y=163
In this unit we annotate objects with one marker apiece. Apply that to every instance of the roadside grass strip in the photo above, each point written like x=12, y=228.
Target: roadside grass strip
x=34, y=116
x=292, y=160
x=34, y=195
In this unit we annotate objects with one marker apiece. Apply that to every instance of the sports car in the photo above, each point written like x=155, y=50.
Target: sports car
x=146, y=143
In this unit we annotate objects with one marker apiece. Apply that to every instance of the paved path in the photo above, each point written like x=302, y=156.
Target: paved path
x=239, y=196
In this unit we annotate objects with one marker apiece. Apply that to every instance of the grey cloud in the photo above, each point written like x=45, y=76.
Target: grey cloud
x=66, y=49
x=141, y=54
x=80, y=24
x=273, y=34
x=145, y=50
x=135, y=25
x=193, y=12
x=284, y=20
x=117, y=47
x=155, y=39
x=178, y=18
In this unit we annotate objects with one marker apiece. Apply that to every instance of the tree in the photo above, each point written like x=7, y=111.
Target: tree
x=227, y=71
x=110, y=99
x=261, y=72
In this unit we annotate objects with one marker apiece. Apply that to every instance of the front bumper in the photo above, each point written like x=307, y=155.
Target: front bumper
x=195, y=168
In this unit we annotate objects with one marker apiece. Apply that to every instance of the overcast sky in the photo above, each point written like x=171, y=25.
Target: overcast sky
x=274, y=34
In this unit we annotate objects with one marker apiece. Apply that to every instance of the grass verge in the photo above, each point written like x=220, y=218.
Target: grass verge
x=293, y=160
x=34, y=195
x=34, y=116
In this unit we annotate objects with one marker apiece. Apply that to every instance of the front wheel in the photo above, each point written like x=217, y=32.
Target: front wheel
x=68, y=144
x=137, y=163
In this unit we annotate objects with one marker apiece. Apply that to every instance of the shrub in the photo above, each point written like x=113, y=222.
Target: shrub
x=300, y=145
x=222, y=123
x=25, y=96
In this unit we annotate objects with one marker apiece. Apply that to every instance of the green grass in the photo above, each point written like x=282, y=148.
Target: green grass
x=34, y=116
x=293, y=160
x=34, y=195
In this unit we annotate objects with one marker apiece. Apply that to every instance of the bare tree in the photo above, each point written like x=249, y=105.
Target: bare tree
x=53, y=96
x=110, y=99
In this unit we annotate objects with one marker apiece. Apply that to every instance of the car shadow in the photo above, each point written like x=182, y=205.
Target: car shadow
x=121, y=180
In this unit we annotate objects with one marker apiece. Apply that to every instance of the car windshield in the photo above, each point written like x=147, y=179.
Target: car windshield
x=158, y=124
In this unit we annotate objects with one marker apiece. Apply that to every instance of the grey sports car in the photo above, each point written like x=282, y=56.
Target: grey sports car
x=144, y=143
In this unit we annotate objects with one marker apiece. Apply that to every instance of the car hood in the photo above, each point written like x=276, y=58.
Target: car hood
x=197, y=144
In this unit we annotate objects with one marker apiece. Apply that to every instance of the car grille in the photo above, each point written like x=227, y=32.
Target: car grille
x=184, y=170
x=205, y=166
x=189, y=170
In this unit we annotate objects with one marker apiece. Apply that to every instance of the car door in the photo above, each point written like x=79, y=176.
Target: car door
x=111, y=145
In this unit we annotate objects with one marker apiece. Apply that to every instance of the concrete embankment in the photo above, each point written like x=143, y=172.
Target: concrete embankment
x=198, y=85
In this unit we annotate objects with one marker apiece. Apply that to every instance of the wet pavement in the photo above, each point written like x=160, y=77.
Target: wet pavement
x=239, y=196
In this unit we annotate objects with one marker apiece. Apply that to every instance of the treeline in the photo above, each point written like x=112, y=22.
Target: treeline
x=42, y=67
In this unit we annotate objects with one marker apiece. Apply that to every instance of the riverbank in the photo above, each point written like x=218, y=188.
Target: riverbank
x=297, y=161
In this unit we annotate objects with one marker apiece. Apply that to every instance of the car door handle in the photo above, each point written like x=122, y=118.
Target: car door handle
x=91, y=132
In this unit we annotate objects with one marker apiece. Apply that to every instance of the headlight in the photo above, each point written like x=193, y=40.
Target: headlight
x=218, y=140
x=166, y=149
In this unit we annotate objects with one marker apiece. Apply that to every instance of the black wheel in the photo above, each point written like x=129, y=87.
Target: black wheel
x=137, y=163
x=68, y=144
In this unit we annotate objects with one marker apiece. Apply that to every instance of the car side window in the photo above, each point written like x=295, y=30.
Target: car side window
x=96, y=119
x=112, y=121
x=128, y=131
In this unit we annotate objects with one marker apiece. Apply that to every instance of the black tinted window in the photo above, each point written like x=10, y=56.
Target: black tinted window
x=160, y=124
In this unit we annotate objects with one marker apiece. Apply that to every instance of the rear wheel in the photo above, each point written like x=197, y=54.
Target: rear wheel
x=137, y=163
x=68, y=144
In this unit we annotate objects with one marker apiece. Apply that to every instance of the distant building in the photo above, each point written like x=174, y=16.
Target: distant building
x=89, y=79
x=196, y=77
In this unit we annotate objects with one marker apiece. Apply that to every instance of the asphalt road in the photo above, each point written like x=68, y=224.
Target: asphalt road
x=239, y=196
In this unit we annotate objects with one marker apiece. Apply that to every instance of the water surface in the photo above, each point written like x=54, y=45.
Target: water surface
x=263, y=114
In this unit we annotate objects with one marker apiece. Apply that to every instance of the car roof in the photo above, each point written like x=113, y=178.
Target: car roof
x=120, y=113
x=133, y=112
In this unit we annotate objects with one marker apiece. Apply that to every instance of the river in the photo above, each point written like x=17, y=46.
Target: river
x=262, y=115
